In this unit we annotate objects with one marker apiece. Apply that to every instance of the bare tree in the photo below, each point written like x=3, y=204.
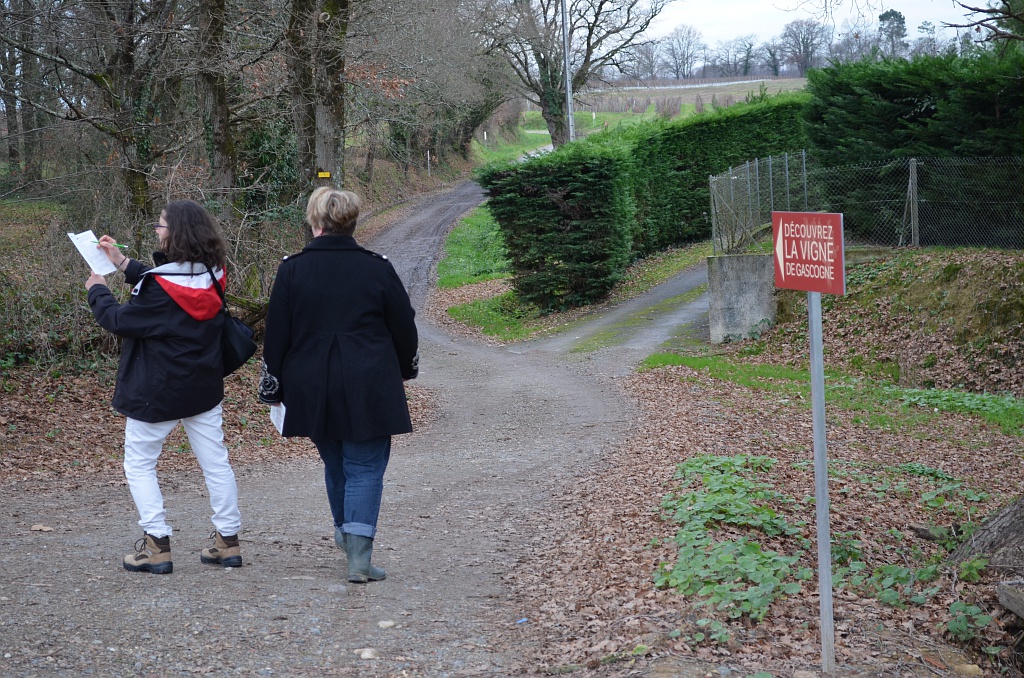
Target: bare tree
x=1000, y=20
x=20, y=77
x=421, y=82
x=213, y=91
x=928, y=42
x=316, y=38
x=9, y=83
x=772, y=55
x=804, y=40
x=682, y=49
x=528, y=34
x=103, y=65
x=855, y=41
x=642, y=61
x=737, y=56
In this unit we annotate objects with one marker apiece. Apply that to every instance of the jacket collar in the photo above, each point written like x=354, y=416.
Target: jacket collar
x=333, y=242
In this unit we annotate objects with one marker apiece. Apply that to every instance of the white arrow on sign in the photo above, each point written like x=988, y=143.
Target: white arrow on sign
x=780, y=255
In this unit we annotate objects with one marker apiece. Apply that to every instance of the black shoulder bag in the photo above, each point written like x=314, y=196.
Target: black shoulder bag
x=236, y=341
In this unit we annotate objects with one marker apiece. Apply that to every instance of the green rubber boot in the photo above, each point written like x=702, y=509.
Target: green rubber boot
x=359, y=550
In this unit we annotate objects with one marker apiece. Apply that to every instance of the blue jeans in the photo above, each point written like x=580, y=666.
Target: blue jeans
x=354, y=475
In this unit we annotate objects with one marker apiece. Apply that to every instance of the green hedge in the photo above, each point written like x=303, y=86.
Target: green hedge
x=673, y=163
x=573, y=220
x=566, y=220
x=929, y=107
x=867, y=117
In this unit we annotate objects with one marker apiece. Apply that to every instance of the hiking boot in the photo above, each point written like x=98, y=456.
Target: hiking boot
x=360, y=570
x=152, y=554
x=225, y=551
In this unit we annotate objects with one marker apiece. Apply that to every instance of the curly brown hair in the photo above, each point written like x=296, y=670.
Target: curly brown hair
x=193, y=235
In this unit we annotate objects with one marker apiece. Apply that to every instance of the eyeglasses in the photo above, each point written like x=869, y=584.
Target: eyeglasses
x=157, y=225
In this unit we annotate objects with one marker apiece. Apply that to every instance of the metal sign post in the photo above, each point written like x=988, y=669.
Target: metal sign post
x=808, y=256
x=571, y=116
x=821, y=502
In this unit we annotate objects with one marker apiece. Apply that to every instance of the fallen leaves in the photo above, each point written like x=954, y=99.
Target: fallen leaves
x=63, y=427
x=588, y=592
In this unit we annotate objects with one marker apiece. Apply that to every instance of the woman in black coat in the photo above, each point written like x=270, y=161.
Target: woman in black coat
x=340, y=341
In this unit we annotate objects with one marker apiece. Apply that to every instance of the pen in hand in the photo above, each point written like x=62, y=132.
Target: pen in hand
x=115, y=244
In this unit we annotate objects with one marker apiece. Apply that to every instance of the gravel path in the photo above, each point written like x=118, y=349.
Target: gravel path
x=461, y=503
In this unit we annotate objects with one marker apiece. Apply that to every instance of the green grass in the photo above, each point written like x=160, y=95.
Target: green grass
x=614, y=335
x=508, y=151
x=1005, y=411
x=648, y=273
x=587, y=122
x=878, y=405
x=474, y=252
x=502, y=317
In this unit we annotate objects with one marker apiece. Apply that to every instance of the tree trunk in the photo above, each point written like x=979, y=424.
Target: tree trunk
x=330, y=90
x=137, y=183
x=371, y=153
x=31, y=119
x=13, y=133
x=554, y=115
x=1000, y=538
x=216, y=115
x=9, y=85
x=300, y=74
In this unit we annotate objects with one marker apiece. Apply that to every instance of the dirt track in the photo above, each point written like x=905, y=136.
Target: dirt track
x=459, y=504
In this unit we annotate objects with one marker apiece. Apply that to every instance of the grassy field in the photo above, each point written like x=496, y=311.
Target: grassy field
x=600, y=109
x=690, y=94
x=587, y=121
x=507, y=151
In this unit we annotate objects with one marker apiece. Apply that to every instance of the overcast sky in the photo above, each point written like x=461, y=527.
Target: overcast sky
x=721, y=20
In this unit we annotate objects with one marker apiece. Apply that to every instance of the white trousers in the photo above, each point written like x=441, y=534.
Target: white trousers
x=143, y=443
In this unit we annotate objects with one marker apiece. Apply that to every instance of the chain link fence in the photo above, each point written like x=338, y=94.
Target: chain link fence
x=909, y=202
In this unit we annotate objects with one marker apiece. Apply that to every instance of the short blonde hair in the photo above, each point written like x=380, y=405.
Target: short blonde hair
x=332, y=211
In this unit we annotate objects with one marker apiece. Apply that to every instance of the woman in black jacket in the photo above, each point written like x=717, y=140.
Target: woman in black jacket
x=340, y=341
x=170, y=371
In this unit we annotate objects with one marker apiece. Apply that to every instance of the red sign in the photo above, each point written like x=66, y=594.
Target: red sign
x=809, y=251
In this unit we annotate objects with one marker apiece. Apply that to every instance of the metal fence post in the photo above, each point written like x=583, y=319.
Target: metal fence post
x=915, y=234
x=785, y=158
x=803, y=157
x=757, y=184
x=771, y=186
x=715, y=235
x=750, y=203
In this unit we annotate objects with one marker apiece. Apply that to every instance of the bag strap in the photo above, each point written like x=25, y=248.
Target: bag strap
x=220, y=290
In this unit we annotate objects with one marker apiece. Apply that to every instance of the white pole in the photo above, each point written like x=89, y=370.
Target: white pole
x=568, y=75
x=827, y=624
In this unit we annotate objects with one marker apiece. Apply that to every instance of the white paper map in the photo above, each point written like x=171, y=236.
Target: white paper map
x=97, y=260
